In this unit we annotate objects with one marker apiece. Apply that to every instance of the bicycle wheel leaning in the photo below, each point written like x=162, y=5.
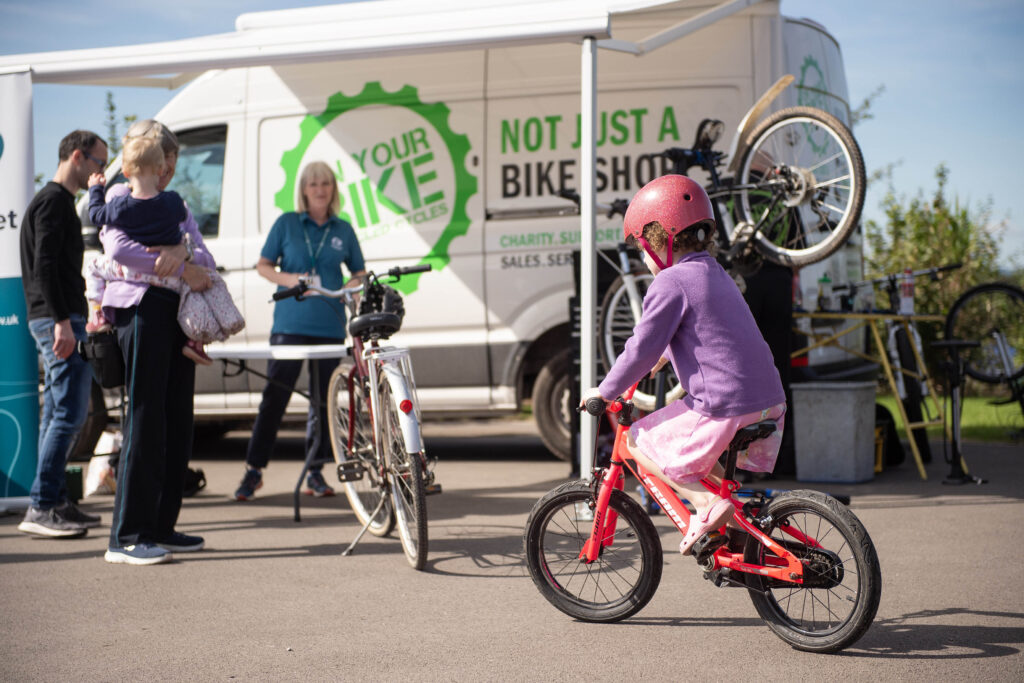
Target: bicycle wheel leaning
x=405, y=475
x=622, y=579
x=616, y=321
x=993, y=314
x=802, y=181
x=842, y=582
x=351, y=429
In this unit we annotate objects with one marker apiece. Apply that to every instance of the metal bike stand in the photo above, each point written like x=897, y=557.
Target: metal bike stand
x=237, y=356
x=955, y=370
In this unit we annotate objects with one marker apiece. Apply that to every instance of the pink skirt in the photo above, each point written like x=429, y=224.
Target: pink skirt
x=686, y=445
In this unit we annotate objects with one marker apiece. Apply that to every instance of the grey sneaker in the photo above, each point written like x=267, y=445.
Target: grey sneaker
x=71, y=512
x=50, y=524
x=182, y=543
x=138, y=554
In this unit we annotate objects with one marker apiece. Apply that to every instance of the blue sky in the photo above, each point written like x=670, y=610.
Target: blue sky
x=952, y=72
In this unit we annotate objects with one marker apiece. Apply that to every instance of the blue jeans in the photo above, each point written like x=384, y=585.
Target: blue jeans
x=66, y=385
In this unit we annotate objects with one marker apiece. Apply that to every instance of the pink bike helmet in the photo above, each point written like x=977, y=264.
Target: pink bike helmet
x=675, y=201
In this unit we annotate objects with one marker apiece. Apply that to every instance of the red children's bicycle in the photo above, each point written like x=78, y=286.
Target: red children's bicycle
x=807, y=562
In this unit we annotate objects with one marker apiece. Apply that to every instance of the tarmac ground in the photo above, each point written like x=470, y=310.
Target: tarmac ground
x=273, y=599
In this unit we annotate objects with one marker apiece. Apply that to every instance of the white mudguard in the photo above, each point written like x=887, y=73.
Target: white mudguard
x=400, y=391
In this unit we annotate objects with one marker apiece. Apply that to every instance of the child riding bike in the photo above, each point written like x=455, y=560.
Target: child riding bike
x=695, y=317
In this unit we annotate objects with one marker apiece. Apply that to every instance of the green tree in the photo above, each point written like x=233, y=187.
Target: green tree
x=113, y=123
x=928, y=231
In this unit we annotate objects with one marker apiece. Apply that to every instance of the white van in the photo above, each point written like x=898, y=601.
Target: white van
x=437, y=155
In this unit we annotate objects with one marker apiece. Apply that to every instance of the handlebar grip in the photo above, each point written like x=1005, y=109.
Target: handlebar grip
x=398, y=271
x=595, y=405
x=290, y=292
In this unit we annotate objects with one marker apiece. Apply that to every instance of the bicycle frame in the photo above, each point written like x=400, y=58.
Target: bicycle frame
x=783, y=566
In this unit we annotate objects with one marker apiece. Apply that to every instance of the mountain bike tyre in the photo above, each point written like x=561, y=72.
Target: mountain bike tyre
x=844, y=203
x=852, y=567
x=364, y=494
x=980, y=313
x=616, y=585
x=405, y=474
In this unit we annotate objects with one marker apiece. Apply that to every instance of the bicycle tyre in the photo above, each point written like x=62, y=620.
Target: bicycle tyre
x=405, y=474
x=845, y=556
x=981, y=313
x=619, y=583
x=822, y=154
x=616, y=322
x=364, y=494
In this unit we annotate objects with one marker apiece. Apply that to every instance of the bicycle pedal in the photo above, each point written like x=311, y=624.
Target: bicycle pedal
x=350, y=470
x=432, y=489
x=707, y=544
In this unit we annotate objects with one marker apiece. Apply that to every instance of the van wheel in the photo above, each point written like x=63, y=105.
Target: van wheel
x=92, y=428
x=551, y=407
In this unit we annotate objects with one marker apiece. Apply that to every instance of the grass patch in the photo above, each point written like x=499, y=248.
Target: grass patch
x=981, y=420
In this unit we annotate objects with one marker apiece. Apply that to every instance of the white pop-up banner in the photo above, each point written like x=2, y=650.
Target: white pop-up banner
x=19, y=370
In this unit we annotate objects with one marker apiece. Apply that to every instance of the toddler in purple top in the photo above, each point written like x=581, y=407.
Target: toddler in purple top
x=695, y=317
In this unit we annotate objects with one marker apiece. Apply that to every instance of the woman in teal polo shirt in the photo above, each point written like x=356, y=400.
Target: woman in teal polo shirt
x=312, y=242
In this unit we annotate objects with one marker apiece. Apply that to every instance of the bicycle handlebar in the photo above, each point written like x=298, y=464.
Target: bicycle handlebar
x=894, y=277
x=596, y=406
x=306, y=285
x=296, y=291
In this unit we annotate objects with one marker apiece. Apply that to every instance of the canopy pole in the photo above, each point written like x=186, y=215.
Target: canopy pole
x=588, y=251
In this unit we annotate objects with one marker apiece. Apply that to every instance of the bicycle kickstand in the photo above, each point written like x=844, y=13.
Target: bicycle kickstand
x=348, y=550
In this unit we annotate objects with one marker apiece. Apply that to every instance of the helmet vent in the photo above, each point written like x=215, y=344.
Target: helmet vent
x=686, y=197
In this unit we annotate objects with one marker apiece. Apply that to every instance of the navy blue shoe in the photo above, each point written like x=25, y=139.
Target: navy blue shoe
x=182, y=543
x=252, y=480
x=138, y=554
x=317, y=486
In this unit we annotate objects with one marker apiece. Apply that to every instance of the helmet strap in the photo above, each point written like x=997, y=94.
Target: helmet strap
x=654, y=256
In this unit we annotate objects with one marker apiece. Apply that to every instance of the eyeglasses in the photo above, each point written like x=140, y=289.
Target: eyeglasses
x=102, y=163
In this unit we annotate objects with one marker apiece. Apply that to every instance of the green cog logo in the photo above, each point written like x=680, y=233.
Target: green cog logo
x=813, y=92
x=1, y=145
x=406, y=160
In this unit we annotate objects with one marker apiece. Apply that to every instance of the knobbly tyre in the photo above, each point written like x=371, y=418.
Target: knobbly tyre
x=374, y=417
x=807, y=562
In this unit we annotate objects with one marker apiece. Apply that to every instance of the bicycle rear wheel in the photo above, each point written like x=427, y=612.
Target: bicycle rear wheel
x=622, y=579
x=351, y=432
x=809, y=183
x=616, y=321
x=842, y=583
x=405, y=474
x=992, y=314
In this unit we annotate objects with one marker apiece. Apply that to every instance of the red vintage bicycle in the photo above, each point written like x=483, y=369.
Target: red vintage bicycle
x=806, y=560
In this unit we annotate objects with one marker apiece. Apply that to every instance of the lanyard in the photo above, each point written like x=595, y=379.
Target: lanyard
x=309, y=246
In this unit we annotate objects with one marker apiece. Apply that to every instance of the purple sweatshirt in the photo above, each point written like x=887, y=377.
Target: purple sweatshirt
x=127, y=252
x=695, y=315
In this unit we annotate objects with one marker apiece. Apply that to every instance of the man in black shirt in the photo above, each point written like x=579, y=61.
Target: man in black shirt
x=51, y=271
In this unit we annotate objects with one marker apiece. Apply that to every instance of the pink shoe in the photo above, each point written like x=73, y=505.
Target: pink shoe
x=707, y=519
x=194, y=351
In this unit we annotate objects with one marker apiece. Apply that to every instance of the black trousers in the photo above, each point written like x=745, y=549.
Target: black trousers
x=157, y=445
x=283, y=375
x=770, y=297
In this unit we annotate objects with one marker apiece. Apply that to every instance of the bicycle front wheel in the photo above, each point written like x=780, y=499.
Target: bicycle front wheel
x=842, y=581
x=623, y=578
x=351, y=429
x=616, y=321
x=802, y=184
x=405, y=474
x=992, y=314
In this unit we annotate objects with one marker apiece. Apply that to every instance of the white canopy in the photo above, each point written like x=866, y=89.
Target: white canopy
x=392, y=27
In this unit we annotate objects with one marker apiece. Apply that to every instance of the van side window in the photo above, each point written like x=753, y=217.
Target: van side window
x=200, y=174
